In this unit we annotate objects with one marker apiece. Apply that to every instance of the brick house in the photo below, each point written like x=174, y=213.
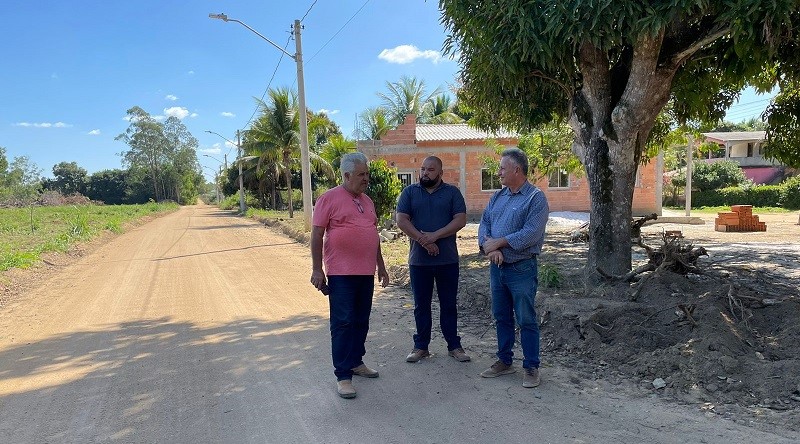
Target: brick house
x=462, y=149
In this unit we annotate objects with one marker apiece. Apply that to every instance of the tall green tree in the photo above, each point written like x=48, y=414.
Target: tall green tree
x=609, y=68
x=783, y=126
x=442, y=110
x=164, y=154
x=336, y=147
x=373, y=123
x=68, y=178
x=407, y=96
x=274, y=140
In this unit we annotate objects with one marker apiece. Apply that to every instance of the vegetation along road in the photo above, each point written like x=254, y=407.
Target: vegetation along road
x=200, y=326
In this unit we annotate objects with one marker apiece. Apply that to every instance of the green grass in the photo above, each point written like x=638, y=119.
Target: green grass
x=711, y=210
x=25, y=235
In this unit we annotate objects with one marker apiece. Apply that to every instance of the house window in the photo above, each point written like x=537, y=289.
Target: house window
x=558, y=179
x=489, y=180
x=405, y=178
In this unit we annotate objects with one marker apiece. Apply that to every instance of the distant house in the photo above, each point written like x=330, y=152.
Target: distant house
x=462, y=150
x=747, y=149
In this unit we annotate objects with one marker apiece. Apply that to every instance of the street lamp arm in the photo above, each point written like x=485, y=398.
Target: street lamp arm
x=220, y=135
x=227, y=19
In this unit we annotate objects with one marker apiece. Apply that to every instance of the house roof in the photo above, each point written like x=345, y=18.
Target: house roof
x=459, y=131
x=737, y=136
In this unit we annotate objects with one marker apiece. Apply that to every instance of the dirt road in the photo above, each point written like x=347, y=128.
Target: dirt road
x=202, y=327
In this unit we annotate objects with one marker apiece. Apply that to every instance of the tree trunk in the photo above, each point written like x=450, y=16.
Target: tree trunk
x=612, y=115
x=288, y=175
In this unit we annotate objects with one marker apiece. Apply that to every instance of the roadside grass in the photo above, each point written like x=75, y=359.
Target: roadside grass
x=719, y=209
x=25, y=235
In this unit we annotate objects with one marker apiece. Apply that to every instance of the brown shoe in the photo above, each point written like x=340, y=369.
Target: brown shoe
x=531, y=378
x=416, y=355
x=364, y=371
x=459, y=354
x=345, y=389
x=499, y=368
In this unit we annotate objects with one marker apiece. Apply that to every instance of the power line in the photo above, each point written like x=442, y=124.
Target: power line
x=266, y=90
x=337, y=32
x=309, y=10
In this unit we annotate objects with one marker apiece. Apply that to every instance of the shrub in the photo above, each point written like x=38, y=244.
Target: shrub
x=712, y=176
x=790, y=193
x=384, y=188
x=757, y=196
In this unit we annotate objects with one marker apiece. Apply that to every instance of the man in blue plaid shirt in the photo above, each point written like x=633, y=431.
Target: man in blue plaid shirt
x=511, y=235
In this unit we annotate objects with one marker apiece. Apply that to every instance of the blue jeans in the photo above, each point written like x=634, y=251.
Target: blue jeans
x=350, y=302
x=513, y=293
x=446, y=278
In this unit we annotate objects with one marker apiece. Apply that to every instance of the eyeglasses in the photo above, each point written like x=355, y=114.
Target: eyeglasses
x=358, y=204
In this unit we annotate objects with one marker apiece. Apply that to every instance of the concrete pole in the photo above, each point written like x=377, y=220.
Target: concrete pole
x=242, y=205
x=689, y=158
x=304, y=156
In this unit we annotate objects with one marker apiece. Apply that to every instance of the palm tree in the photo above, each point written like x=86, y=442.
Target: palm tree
x=336, y=146
x=443, y=110
x=275, y=141
x=276, y=136
x=407, y=96
x=373, y=124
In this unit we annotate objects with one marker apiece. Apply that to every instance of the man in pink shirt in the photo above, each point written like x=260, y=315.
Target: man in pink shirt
x=345, y=236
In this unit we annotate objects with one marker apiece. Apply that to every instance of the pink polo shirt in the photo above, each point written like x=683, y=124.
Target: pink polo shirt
x=351, y=239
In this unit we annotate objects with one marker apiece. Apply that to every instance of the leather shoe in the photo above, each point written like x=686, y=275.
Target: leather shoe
x=345, y=389
x=365, y=372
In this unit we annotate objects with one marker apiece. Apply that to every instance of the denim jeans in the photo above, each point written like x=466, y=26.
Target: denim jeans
x=350, y=302
x=513, y=293
x=446, y=278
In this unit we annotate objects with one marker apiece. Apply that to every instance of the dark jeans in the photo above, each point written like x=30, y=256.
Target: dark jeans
x=446, y=278
x=514, y=292
x=350, y=302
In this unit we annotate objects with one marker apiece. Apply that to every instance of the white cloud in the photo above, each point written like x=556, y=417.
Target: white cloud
x=159, y=118
x=171, y=97
x=94, y=132
x=408, y=53
x=191, y=73
x=43, y=125
x=215, y=149
x=329, y=112
x=193, y=115
x=227, y=114
x=176, y=111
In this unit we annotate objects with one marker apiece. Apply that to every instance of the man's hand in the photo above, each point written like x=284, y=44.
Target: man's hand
x=426, y=239
x=491, y=244
x=383, y=276
x=495, y=257
x=432, y=249
x=318, y=280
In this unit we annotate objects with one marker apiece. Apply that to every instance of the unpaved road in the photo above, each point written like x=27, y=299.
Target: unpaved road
x=202, y=327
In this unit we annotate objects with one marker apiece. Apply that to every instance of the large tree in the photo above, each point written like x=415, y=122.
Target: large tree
x=608, y=68
x=408, y=96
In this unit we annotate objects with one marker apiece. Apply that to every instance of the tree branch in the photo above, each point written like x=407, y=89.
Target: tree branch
x=681, y=56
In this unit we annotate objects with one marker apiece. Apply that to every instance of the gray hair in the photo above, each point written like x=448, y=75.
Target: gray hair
x=349, y=161
x=517, y=156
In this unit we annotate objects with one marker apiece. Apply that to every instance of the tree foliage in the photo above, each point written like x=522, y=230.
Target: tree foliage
x=609, y=68
x=408, y=96
x=68, y=178
x=384, y=188
x=162, y=154
x=783, y=132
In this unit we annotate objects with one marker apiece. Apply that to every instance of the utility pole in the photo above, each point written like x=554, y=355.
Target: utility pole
x=304, y=155
x=242, y=205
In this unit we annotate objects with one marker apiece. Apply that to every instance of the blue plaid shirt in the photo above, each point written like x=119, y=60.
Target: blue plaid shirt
x=520, y=218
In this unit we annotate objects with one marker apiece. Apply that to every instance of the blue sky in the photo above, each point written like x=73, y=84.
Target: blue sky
x=71, y=69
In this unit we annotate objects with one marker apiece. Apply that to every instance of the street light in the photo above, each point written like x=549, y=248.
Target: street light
x=242, y=204
x=223, y=163
x=301, y=94
x=216, y=181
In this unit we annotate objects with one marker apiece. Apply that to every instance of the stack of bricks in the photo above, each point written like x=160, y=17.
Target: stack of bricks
x=740, y=218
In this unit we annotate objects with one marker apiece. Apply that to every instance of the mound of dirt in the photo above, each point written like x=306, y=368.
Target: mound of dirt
x=727, y=340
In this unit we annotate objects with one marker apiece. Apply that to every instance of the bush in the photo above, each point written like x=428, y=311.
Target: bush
x=757, y=196
x=384, y=188
x=713, y=176
x=790, y=193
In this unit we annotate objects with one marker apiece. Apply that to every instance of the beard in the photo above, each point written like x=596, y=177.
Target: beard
x=427, y=182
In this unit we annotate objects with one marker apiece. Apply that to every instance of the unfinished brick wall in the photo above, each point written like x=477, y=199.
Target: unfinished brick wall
x=740, y=218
